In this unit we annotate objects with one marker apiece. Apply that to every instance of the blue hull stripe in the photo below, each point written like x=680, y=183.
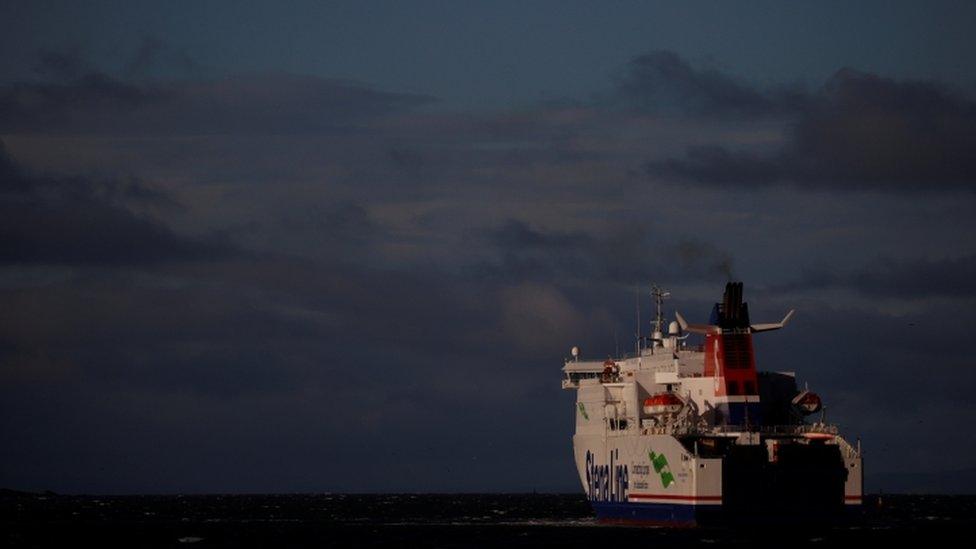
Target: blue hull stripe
x=662, y=513
x=670, y=514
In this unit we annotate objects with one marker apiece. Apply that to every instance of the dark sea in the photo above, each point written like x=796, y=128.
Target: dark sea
x=415, y=520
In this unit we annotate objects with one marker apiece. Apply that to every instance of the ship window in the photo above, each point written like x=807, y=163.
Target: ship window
x=732, y=387
x=577, y=376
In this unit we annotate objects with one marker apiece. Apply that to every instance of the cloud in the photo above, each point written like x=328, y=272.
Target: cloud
x=536, y=316
x=271, y=356
x=61, y=65
x=155, y=55
x=695, y=255
x=859, y=131
x=385, y=263
x=76, y=98
x=908, y=279
x=618, y=253
x=91, y=100
x=663, y=80
x=81, y=221
x=515, y=234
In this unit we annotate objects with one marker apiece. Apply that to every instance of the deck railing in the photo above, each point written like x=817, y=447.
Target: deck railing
x=678, y=429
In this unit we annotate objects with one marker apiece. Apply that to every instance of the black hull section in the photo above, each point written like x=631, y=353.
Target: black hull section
x=805, y=482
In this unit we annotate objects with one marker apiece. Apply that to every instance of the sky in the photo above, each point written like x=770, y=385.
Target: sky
x=248, y=247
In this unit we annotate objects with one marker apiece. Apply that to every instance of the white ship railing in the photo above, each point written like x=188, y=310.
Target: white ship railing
x=820, y=428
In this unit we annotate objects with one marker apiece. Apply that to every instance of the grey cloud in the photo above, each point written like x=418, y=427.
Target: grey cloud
x=515, y=234
x=859, y=130
x=696, y=255
x=663, y=80
x=380, y=279
x=61, y=65
x=270, y=356
x=155, y=55
x=81, y=221
x=77, y=98
x=909, y=279
x=619, y=254
x=91, y=101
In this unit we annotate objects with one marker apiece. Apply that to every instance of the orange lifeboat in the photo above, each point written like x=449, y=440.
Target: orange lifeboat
x=663, y=403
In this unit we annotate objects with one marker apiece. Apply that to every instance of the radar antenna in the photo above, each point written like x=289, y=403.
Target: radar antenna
x=659, y=294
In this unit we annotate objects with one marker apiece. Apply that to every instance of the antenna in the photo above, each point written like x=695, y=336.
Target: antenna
x=659, y=294
x=638, y=343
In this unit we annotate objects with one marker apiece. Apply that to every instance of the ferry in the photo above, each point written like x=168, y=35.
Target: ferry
x=686, y=431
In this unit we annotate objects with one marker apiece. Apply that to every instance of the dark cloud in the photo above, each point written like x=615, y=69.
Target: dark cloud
x=90, y=100
x=61, y=65
x=695, y=255
x=82, y=221
x=618, y=254
x=908, y=279
x=518, y=235
x=859, y=130
x=77, y=98
x=383, y=274
x=663, y=80
x=281, y=358
x=156, y=56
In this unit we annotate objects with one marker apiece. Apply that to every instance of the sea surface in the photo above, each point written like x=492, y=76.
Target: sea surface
x=436, y=520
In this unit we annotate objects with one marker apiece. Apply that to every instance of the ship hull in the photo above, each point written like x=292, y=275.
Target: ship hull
x=680, y=515
x=656, y=480
x=656, y=514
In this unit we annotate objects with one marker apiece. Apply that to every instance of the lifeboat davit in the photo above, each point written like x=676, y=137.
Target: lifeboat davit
x=662, y=404
x=807, y=403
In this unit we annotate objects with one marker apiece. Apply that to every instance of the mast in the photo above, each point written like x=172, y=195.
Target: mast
x=659, y=294
x=639, y=342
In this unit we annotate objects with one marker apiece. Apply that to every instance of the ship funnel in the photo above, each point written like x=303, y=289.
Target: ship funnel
x=731, y=315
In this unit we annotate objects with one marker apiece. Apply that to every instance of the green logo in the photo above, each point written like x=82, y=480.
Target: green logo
x=662, y=468
x=582, y=410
